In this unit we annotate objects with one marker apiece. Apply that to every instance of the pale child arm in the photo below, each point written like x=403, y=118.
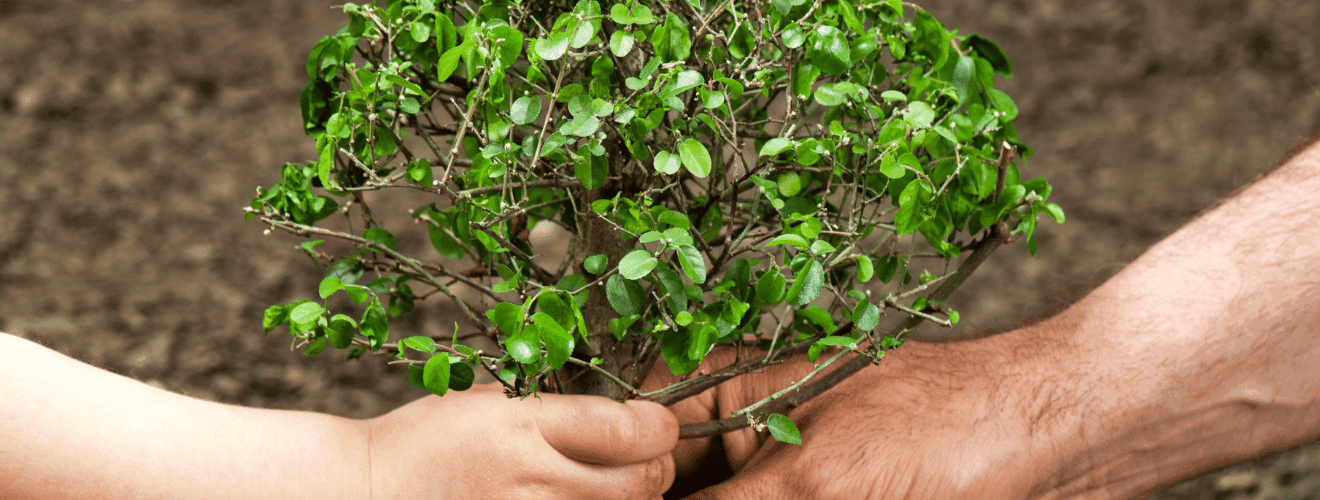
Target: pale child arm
x=69, y=430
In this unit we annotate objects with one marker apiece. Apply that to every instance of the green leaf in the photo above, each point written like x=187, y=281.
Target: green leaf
x=619, y=14
x=414, y=374
x=435, y=376
x=672, y=41
x=309, y=248
x=374, y=324
x=448, y=61
x=919, y=115
x=838, y=341
x=890, y=342
x=525, y=110
x=1054, y=211
x=420, y=343
x=808, y=152
x=1004, y=104
x=461, y=377
x=330, y=285
x=770, y=288
x=641, y=14
x=675, y=347
x=558, y=342
x=636, y=264
x=829, y=95
x=306, y=313
x=379, y=235
x=683, y=318
x=890, y=167
x=673, y=286
x=420, y=31
x=912, y=210
x=445, y=34
x=510, y=44
x=315, y=347
x=508, y=317
x=338, y=126
x=783, y=429
x=358, y=293
x=347, y=270
x=621, y=42
x=583, y=125
x=666, y=162
x=595, y=264
x=694, y=265
x=821, y=247
x=714, y=100
x=591, y=171
x=865, y=269
x=775, y=146
x=793, y=37
x=274, y=316
x=695, y=157
x=676, y=219
x=807, y=284
x=325, y=161
x=790, y=183
x=625, y=115
x=677, y=236
x=581, y=34
x=741, y=42
x=789, y=239
x=817, y=316
x=553, y=48
x=992, y=53
x=526, y=346
x=829, y=50
x=963, y=74
x=803, y=78
x=626, y=296
x=866, y=316
x=419, y=172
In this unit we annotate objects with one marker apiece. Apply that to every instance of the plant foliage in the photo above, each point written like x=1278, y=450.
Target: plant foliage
x=778, y=174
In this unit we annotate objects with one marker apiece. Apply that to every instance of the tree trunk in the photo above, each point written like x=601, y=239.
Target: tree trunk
x=625, y=358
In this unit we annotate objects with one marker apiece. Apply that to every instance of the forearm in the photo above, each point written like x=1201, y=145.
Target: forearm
x=1203, y=352
x=68, y=430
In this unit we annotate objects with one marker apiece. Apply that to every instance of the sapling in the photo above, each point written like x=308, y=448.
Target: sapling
x=783, y=177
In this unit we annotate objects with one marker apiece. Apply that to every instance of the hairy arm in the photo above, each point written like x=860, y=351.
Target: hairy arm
x=1203, y=352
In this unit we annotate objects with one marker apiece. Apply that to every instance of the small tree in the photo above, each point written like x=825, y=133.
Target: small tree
x=777, y=175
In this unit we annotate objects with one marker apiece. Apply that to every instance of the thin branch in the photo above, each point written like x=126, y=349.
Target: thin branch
x=992, y=241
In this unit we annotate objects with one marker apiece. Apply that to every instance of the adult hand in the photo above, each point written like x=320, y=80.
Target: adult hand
x=931, y=421
x=1199, y=354
x=481, y=443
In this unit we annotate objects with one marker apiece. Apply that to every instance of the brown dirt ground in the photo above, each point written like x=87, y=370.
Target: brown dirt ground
x=133, y=131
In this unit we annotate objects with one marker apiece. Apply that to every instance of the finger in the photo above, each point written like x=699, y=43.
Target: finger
x=643, y=480
x=635, y=481
x=741, y=488
x=599, y=431
x=638, y=480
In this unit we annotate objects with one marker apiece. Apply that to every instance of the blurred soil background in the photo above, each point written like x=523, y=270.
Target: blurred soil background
x=132, y=133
